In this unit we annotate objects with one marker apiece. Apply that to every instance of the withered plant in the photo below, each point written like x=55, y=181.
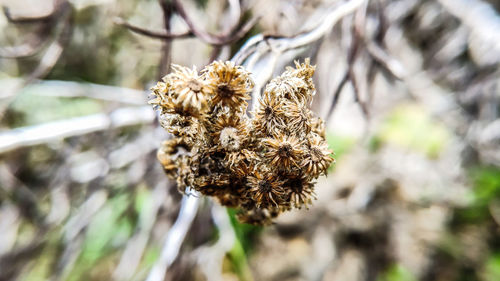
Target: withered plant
x=262, y=162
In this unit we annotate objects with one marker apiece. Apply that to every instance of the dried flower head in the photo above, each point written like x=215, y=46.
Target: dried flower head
x=265, y=189
x=317, y=157
x=262, y=165
x=189, y=90
x=230, y=84
x=301, y=191
x=268, y=119
x=283, y=152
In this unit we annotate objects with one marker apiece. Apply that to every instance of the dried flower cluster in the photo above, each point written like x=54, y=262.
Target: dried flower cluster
x=262, y=165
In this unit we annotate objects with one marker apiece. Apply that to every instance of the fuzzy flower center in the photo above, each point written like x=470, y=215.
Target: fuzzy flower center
x=194, y=85
x=229, y=138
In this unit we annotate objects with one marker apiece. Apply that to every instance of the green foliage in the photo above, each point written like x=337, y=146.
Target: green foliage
x=492, y=268
x=340, y=145
x=396, y=273
x=107, y=229
x=486, y=181
x=245, y=234
x=410, y=127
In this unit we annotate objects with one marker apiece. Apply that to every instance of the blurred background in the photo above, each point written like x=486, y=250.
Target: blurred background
x=409, y=90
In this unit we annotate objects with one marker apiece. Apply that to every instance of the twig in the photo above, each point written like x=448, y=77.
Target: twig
x=336, y=94
x=26, y=49
x=175, y=237
x=211, y=38
x=39, y=134
x=279, y=45
x=52, y=55
x=150, y=33
x=393, y=66
x=70, y=89
x=479, y=16
x=166, y=56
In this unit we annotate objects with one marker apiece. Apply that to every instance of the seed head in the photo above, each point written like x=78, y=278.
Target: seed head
x=317, y=157
x=263, y=165
x=230, y=84
x=283, y=151
x=189, y=90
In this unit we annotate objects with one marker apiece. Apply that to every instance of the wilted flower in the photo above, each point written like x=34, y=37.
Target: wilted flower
x=317, y=157
x=268, y=119
x=230, y=84
x=190, y=90
x=283, y=151
x=301, y=191
x=262, y=165
x=265, y=189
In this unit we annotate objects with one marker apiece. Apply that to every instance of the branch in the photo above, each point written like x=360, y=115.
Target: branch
x=58, y=130
x=24, y=50
x=211, y=38
x=136, y=245
x=150, y=33
x=175, y=237
x=479, y=16
x=281, y=44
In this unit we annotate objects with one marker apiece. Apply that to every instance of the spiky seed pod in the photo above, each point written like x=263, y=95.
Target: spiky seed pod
x=263, y=216
x=268, y=118
x=233, y=195
x=230, y=84
x=265, y=189
x=190, y=90
x=301, y=191
x=305, y=71
x=317, y=157
x=298, y=119
x=283, y=152
x=287, y=87
x=185, y=127
x=183, y=173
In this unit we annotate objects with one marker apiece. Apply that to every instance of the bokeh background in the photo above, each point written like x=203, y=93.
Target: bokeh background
x=409, y=90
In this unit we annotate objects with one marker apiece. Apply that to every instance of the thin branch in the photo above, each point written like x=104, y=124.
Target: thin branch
x=150, y=33
x=479, y=16
x=279, y=45
x=175, y=237
x=211, y=38
x=336, y=94
x=58, y=130
x=136, y=245
x=392, y=65
x=210, y=258
x=166, y=56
